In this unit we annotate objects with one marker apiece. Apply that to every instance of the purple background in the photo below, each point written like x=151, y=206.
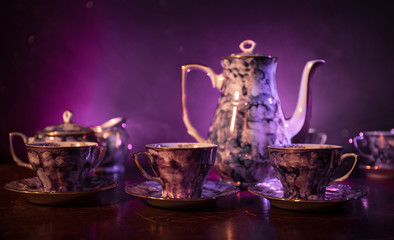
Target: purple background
x=105, y=59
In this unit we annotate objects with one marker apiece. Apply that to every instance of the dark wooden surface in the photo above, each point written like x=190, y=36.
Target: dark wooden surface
x=117, y=215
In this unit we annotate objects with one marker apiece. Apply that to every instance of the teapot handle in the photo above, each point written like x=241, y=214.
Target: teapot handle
x=217, y=82
x=16, y=159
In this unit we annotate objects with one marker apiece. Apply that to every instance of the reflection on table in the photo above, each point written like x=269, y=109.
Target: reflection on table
x=114, y=214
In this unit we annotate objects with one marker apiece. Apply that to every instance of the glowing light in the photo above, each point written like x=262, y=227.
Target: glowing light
x=232, y=124
x=365, y=202
x=350, y=140
x=270, y=100
x=51, y=138
x=208, y=74
x=188, y=70
x=300, y=109
x=392, y=130
x=235, y=108
x=129, y=146
x=381, y=141
x=99, y=129
x=361, y=134
x=236, y=95
x=124, y=125
x=229, y=230
x=367, y=167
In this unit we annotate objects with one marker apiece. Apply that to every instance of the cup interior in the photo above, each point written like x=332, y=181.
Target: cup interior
x=304, y=146
x=180, y=145
x=48, y=145
x=377, y=133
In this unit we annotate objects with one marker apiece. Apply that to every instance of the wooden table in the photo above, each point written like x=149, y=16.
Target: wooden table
x=117, y=215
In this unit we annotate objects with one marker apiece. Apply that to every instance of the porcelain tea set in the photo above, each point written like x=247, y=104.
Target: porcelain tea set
x=250, y=144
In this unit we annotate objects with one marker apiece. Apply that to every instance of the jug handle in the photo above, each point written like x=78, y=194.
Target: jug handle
x=217, y=82
x=16, y=159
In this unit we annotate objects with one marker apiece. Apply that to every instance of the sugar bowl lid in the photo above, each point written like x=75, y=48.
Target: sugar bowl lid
x=67, y=128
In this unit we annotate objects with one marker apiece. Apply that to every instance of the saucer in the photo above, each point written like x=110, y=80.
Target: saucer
x=336, y=194
x=151, y=192
x=32, y=189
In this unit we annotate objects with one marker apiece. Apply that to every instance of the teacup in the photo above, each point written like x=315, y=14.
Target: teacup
x=180, y=168
x=63, y=166
x=376, y=148
x=305, y=170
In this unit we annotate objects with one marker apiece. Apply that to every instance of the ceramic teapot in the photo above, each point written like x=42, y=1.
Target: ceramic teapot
x=70, y=132
x=249, y=117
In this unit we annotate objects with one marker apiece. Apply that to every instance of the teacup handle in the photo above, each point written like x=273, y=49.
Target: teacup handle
x=323, y=138
x=16, y=159
x=356, y=161
x=359, y=150
x=143, y=172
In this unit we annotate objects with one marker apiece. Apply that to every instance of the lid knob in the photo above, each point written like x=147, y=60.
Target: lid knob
x=247, y=46
x=67, y=116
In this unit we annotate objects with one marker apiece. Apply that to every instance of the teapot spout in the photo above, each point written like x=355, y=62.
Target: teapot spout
x=298, y=123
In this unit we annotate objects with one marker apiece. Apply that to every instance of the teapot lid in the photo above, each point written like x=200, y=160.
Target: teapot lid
x=247, y=47
x=67, y=128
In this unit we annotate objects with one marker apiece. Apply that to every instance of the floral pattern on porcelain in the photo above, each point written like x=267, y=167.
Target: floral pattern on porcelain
x=248, y=116
x=112, y=135
x=304, y=172
x=182, y=171
x=181, y=168
x=248, y=120
x=63, y=169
